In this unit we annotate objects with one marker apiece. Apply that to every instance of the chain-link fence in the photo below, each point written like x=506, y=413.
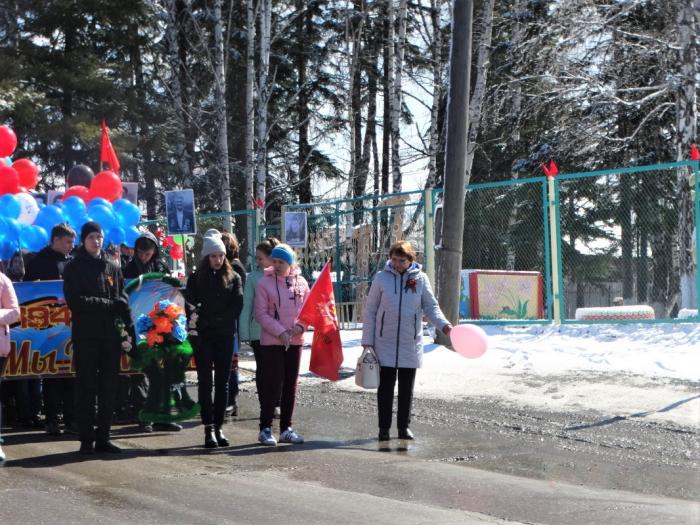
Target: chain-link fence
x=356, y=234
x=627, y=237
x=506, y=251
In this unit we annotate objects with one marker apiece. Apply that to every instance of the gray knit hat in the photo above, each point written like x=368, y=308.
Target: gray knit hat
x=212, y=243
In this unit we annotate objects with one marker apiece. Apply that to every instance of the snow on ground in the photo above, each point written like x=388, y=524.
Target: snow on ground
x=632, y=370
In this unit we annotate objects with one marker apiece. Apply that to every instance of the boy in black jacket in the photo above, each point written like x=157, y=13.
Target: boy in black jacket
x=48, y=265
x=94, y=290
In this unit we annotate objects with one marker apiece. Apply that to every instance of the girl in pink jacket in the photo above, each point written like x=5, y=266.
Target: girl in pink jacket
x=279, y=296
x=9, y=314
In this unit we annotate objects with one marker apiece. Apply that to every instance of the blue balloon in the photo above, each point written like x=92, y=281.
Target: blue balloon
x=74, y=208
x=115, y=235
x=98, y=201
x=10, y=207
x=33, y=238
x=49, y=217
x=132, y=233
x=127, y=213
x=104, y=216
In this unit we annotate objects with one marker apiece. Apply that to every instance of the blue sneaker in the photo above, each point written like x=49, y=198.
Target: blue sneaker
x=290, y=436
x=266, y=437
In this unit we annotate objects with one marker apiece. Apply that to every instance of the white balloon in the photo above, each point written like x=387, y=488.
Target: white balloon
x=30, y=209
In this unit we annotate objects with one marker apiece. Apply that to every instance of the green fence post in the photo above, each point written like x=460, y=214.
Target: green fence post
x=429, y=235
x=553, y=235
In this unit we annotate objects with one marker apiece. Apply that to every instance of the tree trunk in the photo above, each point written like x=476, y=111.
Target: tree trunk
x=304, y=26
x=396, y=104
x=479, y=91
x=687, y=134
x=171, y=36
x=455, y=159
x=249, y=104
x=263, y=96
x=222, y=164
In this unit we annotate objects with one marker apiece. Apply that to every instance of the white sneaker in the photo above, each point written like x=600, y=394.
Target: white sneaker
x=266, y=437
x=2, y=457
x=290, y=436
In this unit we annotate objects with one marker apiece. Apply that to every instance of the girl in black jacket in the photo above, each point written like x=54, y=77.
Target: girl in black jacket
x=216, y=292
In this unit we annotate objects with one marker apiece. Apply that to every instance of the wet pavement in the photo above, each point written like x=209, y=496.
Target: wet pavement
x=474, y=461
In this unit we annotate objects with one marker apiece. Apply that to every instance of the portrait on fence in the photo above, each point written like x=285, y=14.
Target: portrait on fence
x=179, y=208
x=295, y=229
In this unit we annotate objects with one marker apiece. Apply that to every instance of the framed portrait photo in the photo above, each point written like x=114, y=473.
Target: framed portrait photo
x=295, y=229
x=179, y=210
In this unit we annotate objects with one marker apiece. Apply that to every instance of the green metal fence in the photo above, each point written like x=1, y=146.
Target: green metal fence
x=356, y=234
x=619, y=234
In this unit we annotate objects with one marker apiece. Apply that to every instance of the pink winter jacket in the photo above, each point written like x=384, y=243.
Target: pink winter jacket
x=9, y=312
x=284, y=295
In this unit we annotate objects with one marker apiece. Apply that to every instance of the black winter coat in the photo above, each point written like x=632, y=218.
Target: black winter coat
x=220, y=305
x=93, y=287
x=47, y=265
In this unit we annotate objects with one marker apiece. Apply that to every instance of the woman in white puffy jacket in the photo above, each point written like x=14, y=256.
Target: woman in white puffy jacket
x=392, y=324
x=9, y=314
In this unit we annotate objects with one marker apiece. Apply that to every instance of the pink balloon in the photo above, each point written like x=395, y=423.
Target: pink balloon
x=469, y=340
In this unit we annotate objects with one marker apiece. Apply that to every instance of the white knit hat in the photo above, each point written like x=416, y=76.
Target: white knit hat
x=212, y=243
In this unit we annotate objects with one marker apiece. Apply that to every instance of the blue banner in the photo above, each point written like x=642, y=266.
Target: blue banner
x=41, y=341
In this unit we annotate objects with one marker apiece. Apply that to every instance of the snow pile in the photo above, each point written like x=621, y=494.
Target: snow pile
x=614, y=369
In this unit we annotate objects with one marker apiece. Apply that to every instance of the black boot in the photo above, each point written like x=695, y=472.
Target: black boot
x=405, y=433
x=384, y=434
x=209, y=437
x=220, y=438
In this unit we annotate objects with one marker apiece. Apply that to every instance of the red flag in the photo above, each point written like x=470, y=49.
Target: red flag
x=694, y=153
x=319, y=311
x=107, y=154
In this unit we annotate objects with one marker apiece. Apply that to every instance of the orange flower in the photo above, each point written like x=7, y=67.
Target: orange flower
x=163, y=325
x=173, y=311
x=152, y=338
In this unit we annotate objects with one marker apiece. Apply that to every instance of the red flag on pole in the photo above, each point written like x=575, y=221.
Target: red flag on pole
x=694, y=153
x=107, y=154
x=319, y=311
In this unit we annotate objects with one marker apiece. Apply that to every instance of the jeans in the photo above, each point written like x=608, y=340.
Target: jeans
x=233, y=389
x=278, y=372
x=385, y=396
x=213, y=349
x=96, y=374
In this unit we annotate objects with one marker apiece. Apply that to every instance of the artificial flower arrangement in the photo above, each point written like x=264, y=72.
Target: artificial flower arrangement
x=163, y=354
x=164, y=325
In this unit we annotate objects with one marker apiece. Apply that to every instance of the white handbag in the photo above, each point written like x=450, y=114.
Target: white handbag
x=367, y=370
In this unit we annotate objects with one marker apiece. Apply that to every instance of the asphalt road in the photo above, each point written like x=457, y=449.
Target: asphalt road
x=474, y=461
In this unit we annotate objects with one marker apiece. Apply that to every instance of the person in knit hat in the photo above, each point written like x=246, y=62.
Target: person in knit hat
x=279, y=296
x=216, y=293
x=94, y=290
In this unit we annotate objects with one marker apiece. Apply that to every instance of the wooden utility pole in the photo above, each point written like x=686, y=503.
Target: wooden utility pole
x=455, y=161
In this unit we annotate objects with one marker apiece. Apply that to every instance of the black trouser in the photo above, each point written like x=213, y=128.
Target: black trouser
x=277, y=372
x=2, y=364
x=28, y=395
x=385, y=396
x=96, y=373
x=59, y=394
x=213, y=349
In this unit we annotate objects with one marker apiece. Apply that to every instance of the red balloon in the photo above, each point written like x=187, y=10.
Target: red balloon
x=107, y=185
x=9, y=180
x=176, y=252
x=8, y=141
x=77, y=191
x=28, y=173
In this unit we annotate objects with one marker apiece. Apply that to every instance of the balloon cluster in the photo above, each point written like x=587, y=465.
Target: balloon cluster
x=25, y=224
